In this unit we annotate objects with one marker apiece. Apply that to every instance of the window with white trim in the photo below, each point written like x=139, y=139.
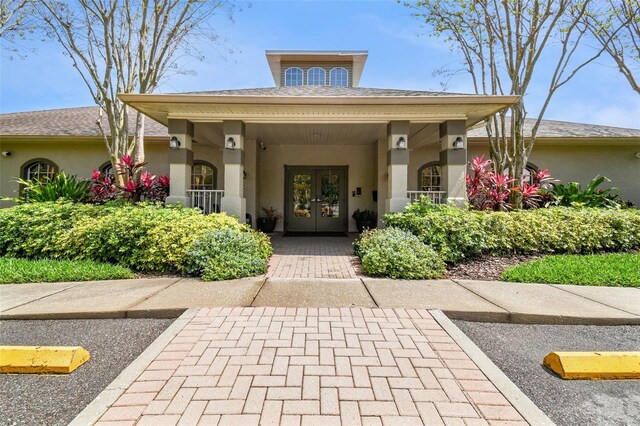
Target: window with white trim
x=293, y=77
x=316, y=76
x=39, y=170
x=339, y=77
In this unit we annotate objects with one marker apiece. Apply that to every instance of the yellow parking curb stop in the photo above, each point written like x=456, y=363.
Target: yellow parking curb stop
x=594, y=365
x=42, y=359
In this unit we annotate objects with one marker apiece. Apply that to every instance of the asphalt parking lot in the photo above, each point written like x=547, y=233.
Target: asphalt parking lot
x=518, y=350
x=56, y=399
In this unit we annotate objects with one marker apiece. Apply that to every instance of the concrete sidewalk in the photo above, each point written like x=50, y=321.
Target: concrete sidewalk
x=464, y=299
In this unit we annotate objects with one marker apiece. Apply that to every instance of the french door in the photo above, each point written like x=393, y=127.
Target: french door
x=316, y=199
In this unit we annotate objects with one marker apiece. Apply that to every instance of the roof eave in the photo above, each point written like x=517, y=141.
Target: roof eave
x=133, y=98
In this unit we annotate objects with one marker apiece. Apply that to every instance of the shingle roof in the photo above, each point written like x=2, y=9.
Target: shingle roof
x=82, y=121
x=565, y=129
x=320, y=91
x=66, y=122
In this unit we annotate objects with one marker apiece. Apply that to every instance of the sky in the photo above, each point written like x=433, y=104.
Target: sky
x=400, y=57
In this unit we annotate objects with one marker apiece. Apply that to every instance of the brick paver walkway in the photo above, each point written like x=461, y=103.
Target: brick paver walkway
x=324, y=366
x=313, y=257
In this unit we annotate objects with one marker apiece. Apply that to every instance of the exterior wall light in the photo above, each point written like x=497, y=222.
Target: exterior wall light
x=231, y=143
x=637, y=154
x=401, y=144
x=174, y=143
x=458, y=143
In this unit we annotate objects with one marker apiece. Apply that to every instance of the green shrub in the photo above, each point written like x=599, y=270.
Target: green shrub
x=227, y=254
x=34, y=230
x=456, y=233
x=142, y=237
x=395, y=253
x=453, y=232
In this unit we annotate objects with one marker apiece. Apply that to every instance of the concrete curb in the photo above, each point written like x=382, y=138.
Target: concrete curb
x=92, y=412
x=527, y=409
x=482, y=316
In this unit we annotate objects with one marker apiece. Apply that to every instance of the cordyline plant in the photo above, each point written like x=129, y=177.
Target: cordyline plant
x=488, y=190
x=138, y=185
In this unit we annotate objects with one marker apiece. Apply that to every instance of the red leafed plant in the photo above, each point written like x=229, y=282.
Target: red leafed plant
x=139, y=185
x=488, y=190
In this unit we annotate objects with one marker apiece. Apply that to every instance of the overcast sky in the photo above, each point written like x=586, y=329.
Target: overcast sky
x=398, y=58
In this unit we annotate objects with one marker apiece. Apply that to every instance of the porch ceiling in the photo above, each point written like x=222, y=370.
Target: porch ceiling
x=316, y=133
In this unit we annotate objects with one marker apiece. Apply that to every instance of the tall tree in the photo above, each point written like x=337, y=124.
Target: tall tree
x=615, y=24
x=507, y=44
x=125, y=46
x=15, y=22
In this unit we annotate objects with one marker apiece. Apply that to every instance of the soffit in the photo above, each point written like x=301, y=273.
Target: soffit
x=316, y=134
x=319, y=110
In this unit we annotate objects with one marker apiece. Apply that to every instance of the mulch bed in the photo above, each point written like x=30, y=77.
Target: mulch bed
x=486, y=268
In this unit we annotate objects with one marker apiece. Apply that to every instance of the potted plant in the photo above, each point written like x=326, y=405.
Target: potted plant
x=365, y=219
x=267, y=223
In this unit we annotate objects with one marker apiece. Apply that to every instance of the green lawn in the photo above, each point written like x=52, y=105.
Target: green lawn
x=17, y=271
x=620, y=270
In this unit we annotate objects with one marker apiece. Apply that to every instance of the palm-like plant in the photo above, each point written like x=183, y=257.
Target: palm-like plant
x=52, y=189
x=572, y=194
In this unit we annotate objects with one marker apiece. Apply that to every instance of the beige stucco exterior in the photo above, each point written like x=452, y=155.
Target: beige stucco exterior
x=567, y=160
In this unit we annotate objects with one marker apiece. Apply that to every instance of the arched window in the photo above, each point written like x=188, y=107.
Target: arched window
x=339, y=77
x=316, y=76
x=203, y=175
x=294, y=77
x=429, y=177
x=39, y=169
x=527, y=176
x=106, y=169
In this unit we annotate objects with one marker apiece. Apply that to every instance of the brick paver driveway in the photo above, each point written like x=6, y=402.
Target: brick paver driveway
x=324, y=366
x=313, y=257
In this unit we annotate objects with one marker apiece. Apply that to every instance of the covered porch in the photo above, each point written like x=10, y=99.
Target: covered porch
x=315, y=160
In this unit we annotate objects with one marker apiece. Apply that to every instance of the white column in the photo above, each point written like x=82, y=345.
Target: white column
x=233, y=201
x=453, y=162
x=180, y=161
x=397, y=166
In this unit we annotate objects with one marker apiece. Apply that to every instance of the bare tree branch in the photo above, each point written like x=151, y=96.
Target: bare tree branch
x=127, y=46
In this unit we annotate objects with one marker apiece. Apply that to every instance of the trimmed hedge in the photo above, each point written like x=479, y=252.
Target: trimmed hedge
x=395, y=253
x=456, y=233
x=142, y=237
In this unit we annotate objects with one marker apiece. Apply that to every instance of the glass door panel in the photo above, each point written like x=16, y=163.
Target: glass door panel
x=331, y=198
x=300, y=215
x=302, y=195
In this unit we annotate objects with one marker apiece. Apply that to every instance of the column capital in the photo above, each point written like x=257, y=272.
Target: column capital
x=183, y=127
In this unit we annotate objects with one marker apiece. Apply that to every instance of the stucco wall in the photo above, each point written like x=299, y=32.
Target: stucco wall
x=568, y=163
x=78, y=158
x=367, y=169
x=360, y=159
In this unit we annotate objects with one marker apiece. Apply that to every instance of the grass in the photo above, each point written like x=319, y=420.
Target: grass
x=619, y=270
x=18, y=271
